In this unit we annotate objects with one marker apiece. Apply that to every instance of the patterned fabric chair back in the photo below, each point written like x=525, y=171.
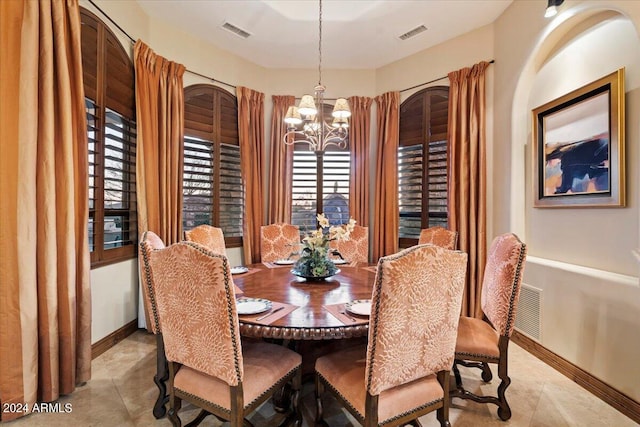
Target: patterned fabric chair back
x=502, y=281
x=415, y=310
x=356, y=247
x=210, y=237
x=197, y=310
x=439, y=236
x=149, y=242
x=278, y=241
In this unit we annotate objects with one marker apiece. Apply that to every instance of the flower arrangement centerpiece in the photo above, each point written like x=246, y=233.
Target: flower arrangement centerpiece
x=314, y=261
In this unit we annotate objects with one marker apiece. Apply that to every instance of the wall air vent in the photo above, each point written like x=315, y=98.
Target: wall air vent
x=412, y=33
x=235, y=30
x=529, y=313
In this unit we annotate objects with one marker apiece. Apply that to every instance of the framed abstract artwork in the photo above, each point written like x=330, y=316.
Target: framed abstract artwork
x=578, y=147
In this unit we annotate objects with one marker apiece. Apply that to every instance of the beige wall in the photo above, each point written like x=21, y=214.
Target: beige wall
x=580, y=259
x=591, y=287
x=436, y=62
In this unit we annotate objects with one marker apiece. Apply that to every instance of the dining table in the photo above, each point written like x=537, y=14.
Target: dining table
x=302, y=309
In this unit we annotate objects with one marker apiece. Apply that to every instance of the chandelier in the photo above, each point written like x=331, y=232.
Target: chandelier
x=314, y=130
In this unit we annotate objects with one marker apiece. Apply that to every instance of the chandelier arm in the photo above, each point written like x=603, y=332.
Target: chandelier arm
x=308, y=139
x=315, y=132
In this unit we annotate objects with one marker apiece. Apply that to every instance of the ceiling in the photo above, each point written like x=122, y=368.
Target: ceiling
x=355, y=33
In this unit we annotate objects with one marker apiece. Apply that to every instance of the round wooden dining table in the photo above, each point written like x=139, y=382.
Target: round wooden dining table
x=311, y=320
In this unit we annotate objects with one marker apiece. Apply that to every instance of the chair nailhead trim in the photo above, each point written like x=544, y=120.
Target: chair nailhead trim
x=206, y=402
x=228, y=411
x=267, y=391
x=335, y=390
x=517, y=280
x=477, y=355
x=405, y=413
x=147, y=273
x=230, y=318
x=387, y=421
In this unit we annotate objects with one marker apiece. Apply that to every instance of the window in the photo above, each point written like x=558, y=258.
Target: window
x=325, y=174
x=110, y=104
x=212, y=183
x=423, y=163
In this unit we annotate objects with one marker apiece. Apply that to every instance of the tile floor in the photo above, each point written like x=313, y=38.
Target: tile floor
x=121, y=393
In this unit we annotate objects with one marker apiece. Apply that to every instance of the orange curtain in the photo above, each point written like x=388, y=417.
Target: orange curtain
x=467, y=175
x=45, y=302
x=251, y=132
x=280, y=175
x=359, y=144
x=160, y=121
x=385, y=219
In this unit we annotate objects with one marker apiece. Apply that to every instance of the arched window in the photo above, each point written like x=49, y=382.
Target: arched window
x=212, y=184
x=111, y=125
x=423, y=163
x=320, y=183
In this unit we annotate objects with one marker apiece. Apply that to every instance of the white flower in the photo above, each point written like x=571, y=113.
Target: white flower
x=322, y=220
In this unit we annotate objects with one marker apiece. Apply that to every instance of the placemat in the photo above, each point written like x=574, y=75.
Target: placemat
x=271, y=316
x=274, y=265
x=248, y=273
x=373, y=268
x=349, y=264
x=338, y=311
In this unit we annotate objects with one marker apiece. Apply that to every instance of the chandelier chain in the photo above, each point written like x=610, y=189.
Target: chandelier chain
x=315, y=132
x=320, y=46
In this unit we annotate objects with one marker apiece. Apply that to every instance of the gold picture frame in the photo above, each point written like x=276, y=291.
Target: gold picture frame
x=578, y=147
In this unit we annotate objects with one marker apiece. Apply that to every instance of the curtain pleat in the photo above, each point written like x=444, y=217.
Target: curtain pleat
x=359, y=146
x=385, y=218
x=45, y=303
x=251, y=133
x=160, y=139
x=281, y=155
x=467, y=175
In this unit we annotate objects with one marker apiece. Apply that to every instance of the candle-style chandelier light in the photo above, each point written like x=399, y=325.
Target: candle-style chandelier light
x=310, y=115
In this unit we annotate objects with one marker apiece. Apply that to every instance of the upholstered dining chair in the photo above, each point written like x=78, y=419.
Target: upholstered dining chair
x=209, y=366
x=149, y=242
x=356, y=247
x=208, y=236
x=484, y=341
x=278, y=241
x=439, y=236
x=403, y=372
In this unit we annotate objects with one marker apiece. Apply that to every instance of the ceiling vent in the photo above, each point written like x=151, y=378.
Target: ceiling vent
x=412, y=33
x=235, y=30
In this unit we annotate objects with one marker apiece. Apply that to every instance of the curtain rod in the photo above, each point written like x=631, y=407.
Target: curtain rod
x=435, y=80
x=133, y=41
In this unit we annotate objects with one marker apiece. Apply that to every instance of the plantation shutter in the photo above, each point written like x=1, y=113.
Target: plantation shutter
x=422, y=163
x=213, y=191
x=331, y=171
x=108, y=77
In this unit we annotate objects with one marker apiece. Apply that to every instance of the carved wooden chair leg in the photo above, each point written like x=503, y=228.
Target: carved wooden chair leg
x=319, y=421
x=442, y=414
x=486, y=372
x=175, y=403
x=295, y=415
x=504, y=411
x=295, y=400
x=415, y=423
x=456, y=374
x=160, y=379
x=282, y=399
